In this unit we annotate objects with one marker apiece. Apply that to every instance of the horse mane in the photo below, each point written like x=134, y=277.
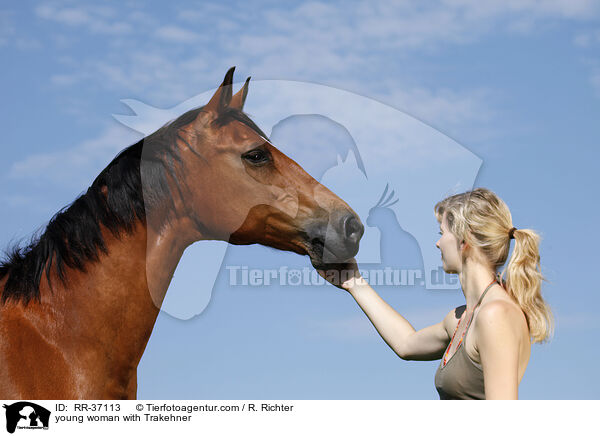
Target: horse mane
x=115, y=200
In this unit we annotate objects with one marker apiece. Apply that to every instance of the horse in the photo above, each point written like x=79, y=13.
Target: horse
x=79, y=302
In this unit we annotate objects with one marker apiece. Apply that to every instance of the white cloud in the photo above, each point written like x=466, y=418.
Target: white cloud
x=9, y=34
x=587, y=38
x=444, y=106
x=64, y=79
x=69, y=16
x=595, y=81
x=78, y=165
x=315, y=41
x=27, y=44
x=149, y=73
x=588, y=42
x=176, y=34
x=569, y=9
x=576, y=320
x=7, y=28
x=96, y=19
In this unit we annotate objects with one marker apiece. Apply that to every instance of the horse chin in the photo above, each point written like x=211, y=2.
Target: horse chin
x=320, y=265
x=322, y=258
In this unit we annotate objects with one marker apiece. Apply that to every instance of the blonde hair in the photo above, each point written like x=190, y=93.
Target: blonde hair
x=483, y=220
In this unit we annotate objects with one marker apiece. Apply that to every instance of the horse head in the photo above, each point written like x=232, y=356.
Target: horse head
x=232, y=184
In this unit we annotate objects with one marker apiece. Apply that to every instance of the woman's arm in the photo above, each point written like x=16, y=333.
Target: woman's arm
x=498, y=345
x=426, y=344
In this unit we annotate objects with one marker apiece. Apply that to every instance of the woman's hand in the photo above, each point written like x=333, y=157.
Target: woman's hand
x=342, y=275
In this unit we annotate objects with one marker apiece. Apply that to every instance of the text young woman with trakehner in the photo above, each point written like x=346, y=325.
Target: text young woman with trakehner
x=484, y=345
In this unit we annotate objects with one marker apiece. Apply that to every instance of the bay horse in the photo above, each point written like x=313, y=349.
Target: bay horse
x=78, y=304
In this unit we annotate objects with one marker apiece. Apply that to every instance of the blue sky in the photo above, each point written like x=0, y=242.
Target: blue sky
x=516, y=83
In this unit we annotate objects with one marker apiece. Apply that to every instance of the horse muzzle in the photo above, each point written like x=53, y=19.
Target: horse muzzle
x=336, y=240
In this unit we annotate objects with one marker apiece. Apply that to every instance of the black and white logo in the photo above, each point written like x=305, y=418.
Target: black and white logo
x=26, y=415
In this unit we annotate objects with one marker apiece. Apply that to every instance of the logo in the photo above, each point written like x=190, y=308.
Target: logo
x=26, y=415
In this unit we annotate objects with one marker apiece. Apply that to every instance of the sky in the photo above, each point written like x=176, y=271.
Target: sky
x=433, y=96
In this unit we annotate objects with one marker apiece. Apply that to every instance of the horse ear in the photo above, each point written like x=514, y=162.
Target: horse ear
x=222, y=97
x=238, y=100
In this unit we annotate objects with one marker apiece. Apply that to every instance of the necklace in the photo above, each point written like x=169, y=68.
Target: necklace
x=471, y=317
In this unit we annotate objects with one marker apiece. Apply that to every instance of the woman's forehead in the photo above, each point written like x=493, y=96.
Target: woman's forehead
x=444, y=221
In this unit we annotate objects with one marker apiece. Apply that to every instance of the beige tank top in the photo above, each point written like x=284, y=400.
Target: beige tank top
x=461, y=378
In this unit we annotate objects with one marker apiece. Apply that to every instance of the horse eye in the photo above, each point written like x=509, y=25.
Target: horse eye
x=256, y=156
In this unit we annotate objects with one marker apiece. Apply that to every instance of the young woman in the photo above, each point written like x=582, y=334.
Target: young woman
x=484, y=345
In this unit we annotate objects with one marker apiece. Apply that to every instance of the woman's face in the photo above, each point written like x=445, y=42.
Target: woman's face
x=450, y=248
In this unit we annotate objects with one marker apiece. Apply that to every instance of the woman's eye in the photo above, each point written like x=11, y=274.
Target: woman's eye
x=256, y=156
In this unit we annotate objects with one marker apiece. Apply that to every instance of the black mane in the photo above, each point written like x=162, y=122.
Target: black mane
x=115, y=200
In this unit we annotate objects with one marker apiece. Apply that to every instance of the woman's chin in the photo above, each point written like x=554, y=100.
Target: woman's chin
x=448, y=270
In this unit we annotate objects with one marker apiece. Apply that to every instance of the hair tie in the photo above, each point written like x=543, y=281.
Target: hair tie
x=511, y=233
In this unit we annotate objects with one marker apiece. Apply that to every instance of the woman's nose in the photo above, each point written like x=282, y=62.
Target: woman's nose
x=437, y=244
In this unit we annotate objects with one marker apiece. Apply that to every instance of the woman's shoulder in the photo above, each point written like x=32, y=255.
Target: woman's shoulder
x=500, y=313
x=451, y=320
x=500, y=303
x=499, y=323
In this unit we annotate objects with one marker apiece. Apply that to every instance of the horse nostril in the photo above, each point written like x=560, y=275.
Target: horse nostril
x=353, y=228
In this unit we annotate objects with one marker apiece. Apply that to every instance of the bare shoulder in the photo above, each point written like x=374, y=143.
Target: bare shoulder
x=500, y=314
x=451, y=320
x=499, y=308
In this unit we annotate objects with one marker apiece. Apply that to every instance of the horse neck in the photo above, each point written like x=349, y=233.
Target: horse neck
x=116, y=301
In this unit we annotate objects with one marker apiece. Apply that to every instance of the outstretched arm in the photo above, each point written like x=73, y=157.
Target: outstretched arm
x=426, y=344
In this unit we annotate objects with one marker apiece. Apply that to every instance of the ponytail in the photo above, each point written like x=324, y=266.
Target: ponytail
x=524, y=281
